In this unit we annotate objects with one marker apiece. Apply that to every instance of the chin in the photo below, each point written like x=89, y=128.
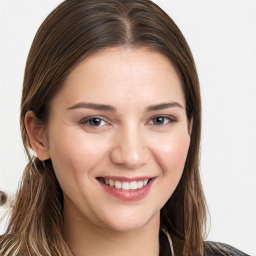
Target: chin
x=126, y=226
x=130, y=221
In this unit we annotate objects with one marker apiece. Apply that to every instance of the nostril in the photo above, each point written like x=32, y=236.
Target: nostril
x=130, y=151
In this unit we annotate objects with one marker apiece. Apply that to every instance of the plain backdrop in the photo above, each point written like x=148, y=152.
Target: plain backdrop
x=222, y=37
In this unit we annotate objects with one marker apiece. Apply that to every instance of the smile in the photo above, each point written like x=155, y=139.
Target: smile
x=125, y=185
x=127, y=189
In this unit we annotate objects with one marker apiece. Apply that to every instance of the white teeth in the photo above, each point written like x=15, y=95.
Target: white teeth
x=133, y=185
x=126, y=185
x=145, y=182
x=111, y=183
x=118, y=184
x=140, y=184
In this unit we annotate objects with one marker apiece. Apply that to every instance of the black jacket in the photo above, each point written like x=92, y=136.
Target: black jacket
x=211, y=248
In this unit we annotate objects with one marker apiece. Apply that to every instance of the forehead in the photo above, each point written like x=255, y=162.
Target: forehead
x=119, y=74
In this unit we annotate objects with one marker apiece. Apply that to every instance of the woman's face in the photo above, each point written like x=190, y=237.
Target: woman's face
x=118, y=138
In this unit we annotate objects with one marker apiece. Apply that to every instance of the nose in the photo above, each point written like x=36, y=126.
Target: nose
x=130, y=150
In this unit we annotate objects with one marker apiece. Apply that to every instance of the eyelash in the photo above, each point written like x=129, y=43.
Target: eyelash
x=170, y=119
x=167, y=121
x=86, y=121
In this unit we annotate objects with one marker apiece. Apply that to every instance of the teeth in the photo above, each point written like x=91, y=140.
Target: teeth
x=140, y=184
x=125, y=185
x=111, y=183
x=133, y=185
x=118, y=184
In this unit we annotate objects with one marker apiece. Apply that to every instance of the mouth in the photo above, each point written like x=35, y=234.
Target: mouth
x=124, y=185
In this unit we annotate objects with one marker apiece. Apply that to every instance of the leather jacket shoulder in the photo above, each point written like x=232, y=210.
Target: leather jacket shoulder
x=211, y=248
x=220, y=249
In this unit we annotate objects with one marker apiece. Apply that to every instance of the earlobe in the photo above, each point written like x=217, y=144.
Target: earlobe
x=37, y=136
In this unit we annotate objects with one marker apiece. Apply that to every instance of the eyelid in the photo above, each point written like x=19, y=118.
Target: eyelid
x=84, y=120
x=170, y=117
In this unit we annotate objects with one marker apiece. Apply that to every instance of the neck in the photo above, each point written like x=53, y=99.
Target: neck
x=85, y=238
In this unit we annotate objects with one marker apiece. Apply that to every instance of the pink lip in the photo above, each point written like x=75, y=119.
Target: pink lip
x=128, y=195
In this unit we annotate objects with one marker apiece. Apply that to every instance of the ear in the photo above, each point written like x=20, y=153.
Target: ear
x=190, y=125
x=37, y=136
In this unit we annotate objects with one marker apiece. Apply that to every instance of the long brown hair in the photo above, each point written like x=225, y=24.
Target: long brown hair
x=73, y=31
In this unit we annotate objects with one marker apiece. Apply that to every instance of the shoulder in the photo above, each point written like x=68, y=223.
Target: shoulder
x=220, y=249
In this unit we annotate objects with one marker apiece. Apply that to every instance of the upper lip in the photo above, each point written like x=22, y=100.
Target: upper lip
x=128, y=179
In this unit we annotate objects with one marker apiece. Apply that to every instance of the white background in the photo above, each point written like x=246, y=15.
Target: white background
x=222, y=36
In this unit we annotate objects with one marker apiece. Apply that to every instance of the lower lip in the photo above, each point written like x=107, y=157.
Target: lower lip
x=128, y=195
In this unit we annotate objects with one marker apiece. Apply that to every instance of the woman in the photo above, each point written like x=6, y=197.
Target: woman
x=111, y=107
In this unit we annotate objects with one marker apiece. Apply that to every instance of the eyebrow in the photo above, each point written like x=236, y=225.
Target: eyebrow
x=164, y=106
x=95, y=106
x=110, y=108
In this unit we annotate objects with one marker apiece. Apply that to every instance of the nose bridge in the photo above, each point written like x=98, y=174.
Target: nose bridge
x=130, y=147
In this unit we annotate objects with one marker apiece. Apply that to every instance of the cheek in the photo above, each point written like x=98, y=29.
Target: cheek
x=74, y=156
x=172, y=154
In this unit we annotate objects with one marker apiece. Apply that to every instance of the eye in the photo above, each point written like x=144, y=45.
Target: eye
x=162, y=120
x=93, y=121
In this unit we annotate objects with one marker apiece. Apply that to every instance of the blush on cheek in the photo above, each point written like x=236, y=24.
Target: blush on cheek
x=73, y=160
x=173, y=154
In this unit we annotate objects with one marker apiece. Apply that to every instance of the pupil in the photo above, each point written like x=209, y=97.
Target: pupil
x=95, y=121
x=159, y=120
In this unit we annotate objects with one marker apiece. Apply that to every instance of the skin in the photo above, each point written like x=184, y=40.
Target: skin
x=128, y=142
